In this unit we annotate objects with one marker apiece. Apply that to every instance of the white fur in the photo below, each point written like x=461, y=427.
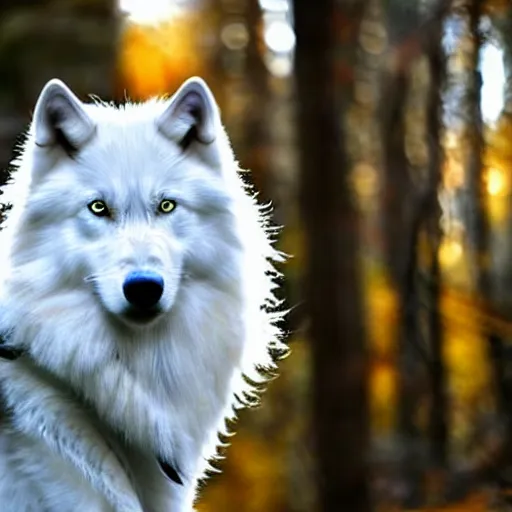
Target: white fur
x=164, y=387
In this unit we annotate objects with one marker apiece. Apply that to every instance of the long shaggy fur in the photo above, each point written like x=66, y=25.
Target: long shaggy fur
x=98, y=399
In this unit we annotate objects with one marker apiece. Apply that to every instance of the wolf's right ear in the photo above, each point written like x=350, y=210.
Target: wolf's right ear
x=192, y=114
x=60, y=119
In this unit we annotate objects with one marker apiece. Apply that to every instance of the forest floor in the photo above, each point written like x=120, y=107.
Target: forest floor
x=477, y=502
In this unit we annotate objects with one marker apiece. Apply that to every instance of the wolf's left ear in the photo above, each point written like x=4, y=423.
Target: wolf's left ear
x=192, y=114
x=60, y=119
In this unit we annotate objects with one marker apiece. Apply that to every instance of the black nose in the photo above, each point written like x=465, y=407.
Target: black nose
x=143, y=289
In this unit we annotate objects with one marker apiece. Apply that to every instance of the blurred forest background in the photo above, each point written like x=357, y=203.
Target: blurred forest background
x=381, y=131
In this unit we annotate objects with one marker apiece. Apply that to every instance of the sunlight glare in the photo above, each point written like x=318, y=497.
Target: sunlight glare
x=150, y=11
x=496, y=184
x=280, y=37
x=450, y=253
x=493, y=76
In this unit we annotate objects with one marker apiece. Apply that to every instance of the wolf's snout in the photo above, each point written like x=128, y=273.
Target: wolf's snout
x=143, y=289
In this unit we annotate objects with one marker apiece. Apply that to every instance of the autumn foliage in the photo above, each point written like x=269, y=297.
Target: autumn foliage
x=156, y=59
x=270, y=463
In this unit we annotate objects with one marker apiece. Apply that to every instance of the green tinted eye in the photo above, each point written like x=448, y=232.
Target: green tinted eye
x=98, y=208
x=166, y=206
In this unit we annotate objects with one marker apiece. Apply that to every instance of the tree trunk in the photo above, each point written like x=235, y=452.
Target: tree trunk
x=402, y=219
x=332, y=286
x=401, y=228
x=477, y=225
x=438, y=424
x=504, y=26
x=409, y=207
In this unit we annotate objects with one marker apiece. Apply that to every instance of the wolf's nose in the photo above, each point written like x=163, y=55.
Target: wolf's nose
x=143, y=289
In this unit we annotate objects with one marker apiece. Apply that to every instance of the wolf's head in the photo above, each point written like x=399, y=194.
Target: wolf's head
x=127, y=203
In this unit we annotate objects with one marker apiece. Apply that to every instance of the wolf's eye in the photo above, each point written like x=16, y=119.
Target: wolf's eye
x=166, y=206
x=98, y=208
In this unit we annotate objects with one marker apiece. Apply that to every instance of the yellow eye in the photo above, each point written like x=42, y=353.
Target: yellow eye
x=98, y=208
x=166, y=206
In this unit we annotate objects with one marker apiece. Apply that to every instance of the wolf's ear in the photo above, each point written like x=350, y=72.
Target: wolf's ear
x=192, y=114
x=60, y=119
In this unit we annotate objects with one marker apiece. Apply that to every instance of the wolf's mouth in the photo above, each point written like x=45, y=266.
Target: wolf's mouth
x=141, y=316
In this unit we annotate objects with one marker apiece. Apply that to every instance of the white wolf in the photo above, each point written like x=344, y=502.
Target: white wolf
x=137, y=279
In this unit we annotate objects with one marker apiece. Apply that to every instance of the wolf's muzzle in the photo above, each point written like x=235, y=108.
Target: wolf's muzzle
x=143, y=289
